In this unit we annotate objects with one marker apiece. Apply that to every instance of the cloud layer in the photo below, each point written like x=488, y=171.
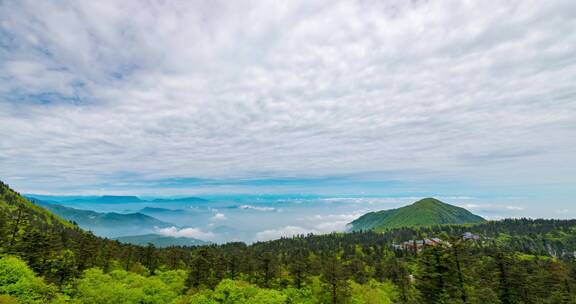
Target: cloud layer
x=194, y=233
x=119, y=94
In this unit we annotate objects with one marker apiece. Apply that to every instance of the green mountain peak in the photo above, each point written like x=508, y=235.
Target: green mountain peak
x=425, y=212
x=428, y=201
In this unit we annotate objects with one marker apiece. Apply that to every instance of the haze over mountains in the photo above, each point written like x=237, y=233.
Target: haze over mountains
x=138, y=228
x=252, y=217
x=107, y=224
x=193, y=220
x=110, y=199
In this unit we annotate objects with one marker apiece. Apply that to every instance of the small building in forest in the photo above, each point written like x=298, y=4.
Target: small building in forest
x=418, y=244
x=470, y=236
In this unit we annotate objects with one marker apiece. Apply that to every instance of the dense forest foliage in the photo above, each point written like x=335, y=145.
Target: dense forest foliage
x=45, y=259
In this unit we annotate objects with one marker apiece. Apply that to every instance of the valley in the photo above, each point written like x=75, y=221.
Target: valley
x=45, y=252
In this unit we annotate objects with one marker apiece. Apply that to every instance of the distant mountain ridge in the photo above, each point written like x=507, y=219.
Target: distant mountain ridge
x=425, y=212
x=117, y=199
x=180, y=199
x=108, y=224
x=112, y=199
x=157, y=210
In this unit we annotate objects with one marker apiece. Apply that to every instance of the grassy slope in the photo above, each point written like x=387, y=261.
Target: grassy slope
x=425, y=212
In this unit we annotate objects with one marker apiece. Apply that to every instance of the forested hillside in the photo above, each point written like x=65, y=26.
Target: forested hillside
x=45, y=259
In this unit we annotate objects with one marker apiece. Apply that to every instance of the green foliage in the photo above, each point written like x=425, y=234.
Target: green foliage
x=14, y=205
x=424, y=212
x=200, y=273
x=120, y=286
x=300, y=296
x=238, y=292
x=18, y=281
x=374, y=292
x=438, y=277
x=6, y=299
x=336, y=285
x=63, y=266
x=173, y=279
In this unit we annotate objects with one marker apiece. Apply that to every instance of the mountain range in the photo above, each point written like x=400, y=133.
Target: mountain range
x=425, y=212
x=156, y=210
x=111, y=199
x=108, y=224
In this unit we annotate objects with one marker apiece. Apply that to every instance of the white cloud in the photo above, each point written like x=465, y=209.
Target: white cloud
x=371, y=200
x=219, y=217
x=497, y=210
x=186, y=232
x=472, y=206
x=326, y=227
x=250, y=207
x=317, y=224
x=96, y=94
x=286, y=231
x=325, y=223
x=514, y=208
x=336, y=217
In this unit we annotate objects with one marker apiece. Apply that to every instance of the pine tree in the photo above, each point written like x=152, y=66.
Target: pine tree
x=460, y=258
x=63, y=266
x=85, y=249
x=267, y=269
x=220, y=267
x=150, y=260
x=396, y=270
x=34, y=247
x=335, y=280
x=357, y=270
x=298, y=267
x=3, y=230
x=436, y=279
x=16, y=226
x=200, y=272
x=234, y=266
x=506, y=290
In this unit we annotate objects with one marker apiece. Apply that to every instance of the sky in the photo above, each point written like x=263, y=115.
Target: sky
x=473, y=99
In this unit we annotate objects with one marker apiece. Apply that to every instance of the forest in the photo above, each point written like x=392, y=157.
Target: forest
x=46, y=259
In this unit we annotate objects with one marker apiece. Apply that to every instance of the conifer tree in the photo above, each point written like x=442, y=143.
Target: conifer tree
x=63, y=266
x=335, y=280
x=298, y=267
x=3, y=229
x=200, y=272
x=267, y=268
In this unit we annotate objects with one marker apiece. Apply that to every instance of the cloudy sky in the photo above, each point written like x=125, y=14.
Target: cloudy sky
x=470, y=98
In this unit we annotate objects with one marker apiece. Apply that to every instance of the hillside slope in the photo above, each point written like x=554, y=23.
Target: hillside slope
x=425, y=212
x=17, y=208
